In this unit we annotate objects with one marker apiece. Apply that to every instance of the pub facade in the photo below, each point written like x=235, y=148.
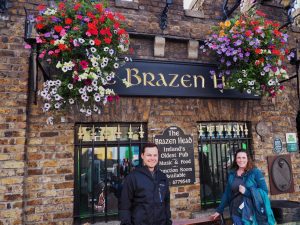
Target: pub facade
x=65, y=168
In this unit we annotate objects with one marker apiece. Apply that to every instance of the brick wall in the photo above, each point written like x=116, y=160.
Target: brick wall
x=37, y=166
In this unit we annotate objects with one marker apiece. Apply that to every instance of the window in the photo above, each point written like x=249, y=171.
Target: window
x=105, y=153
x=217, y=144
x=193, y=8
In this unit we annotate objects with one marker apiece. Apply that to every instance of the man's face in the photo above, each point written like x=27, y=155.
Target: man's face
x=150, y=157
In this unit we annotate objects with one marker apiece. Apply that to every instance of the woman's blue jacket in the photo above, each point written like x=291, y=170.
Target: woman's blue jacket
x=253, y=180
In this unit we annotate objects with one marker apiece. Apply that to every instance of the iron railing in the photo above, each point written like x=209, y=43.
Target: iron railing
x=104, y=154
x=217, y=144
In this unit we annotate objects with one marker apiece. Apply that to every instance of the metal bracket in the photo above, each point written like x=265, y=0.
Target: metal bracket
x=163, y=23
x=227, y=12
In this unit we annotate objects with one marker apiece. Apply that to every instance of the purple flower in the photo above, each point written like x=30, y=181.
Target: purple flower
x=222, y=60
x=212, y=72
x=234, y=58
x=228, y=53
x=237, y=43
x=267, y=68
x=227, y=72
x=247, y=54
x=220, y=85
x=55, y=36
x=228, y=63
x=48, y=34
x=241, y=55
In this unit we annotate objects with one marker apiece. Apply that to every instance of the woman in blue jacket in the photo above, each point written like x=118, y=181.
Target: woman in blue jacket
x=246, y=194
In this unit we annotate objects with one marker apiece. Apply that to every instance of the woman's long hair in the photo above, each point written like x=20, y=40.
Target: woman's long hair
x=250, y=164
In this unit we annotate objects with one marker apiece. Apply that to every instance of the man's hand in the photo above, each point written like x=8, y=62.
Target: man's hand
x=215, y=215
x=242, y=189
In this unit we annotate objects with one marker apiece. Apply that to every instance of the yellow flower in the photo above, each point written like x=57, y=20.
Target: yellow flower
x=221, y=34
x=227, y=23
x=237, y=23
x=222, y=25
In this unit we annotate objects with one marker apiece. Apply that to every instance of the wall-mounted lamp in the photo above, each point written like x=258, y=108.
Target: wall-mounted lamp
x=226, y=11
x=293, y=12
x=30, y=35
x=163, y=23
x=3, y=6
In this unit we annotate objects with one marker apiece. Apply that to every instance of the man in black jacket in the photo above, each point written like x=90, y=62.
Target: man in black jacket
x=145, y=198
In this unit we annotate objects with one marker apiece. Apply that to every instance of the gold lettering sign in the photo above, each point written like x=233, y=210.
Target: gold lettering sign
x=167, y=80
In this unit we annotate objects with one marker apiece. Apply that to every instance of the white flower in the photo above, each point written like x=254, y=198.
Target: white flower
x=58, y=65
x=97, y=98
x=111, y=51
x=89, y=89
x=108, y=78
x=70, y=86
x=85, y=98
x=271, y=82
x=64, y=69
x=92, y=42
x=262, y=73
x=43, y=93
x=251, y=83
x=239, y=80
x=47, y=106
x=126, y=59
x=88, y=112
x=116, y=65
x=49, y=11
x=104, y=82
x=95, y=64
x=106, y=49
x=58, y=82
x=103, y=65
x=71, y=101
x=112, y=74
x=81, y=90
x=105, y=60
x=57, y=97
x=248, y=91
x=82, y=110
x=93, y=50
x=57, y=105
x=81, y=40
x=96, y=108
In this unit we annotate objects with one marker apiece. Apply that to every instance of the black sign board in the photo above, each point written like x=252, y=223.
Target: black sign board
x=172, y=79
x=176, y=156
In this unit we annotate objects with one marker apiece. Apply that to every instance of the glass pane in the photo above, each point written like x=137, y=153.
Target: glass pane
x=85, y=180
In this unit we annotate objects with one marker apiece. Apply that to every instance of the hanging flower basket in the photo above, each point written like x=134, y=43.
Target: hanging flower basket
x=83, y=41
x=250, y=51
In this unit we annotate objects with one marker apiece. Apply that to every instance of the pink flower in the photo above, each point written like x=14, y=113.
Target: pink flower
x=84, y=64
x=88, y=34
x=38, y=40
x=27, y=46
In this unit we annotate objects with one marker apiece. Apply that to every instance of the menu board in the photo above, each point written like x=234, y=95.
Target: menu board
x=176, y=156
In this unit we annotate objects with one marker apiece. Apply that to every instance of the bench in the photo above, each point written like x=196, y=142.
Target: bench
x=205, y=220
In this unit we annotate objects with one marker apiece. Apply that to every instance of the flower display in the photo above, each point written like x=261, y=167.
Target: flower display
x=250, y=50
x=83, y=41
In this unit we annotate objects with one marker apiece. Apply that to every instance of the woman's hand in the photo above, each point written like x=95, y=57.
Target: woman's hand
x=215, y=215
x=242, y=189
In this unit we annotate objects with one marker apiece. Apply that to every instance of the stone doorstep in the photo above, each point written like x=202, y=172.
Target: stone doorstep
x=207, y=212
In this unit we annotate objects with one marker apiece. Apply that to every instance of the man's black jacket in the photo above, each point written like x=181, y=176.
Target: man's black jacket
x=145, y=198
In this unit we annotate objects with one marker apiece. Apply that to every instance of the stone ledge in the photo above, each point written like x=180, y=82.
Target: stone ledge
x=126, y=4
x=194, y=13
